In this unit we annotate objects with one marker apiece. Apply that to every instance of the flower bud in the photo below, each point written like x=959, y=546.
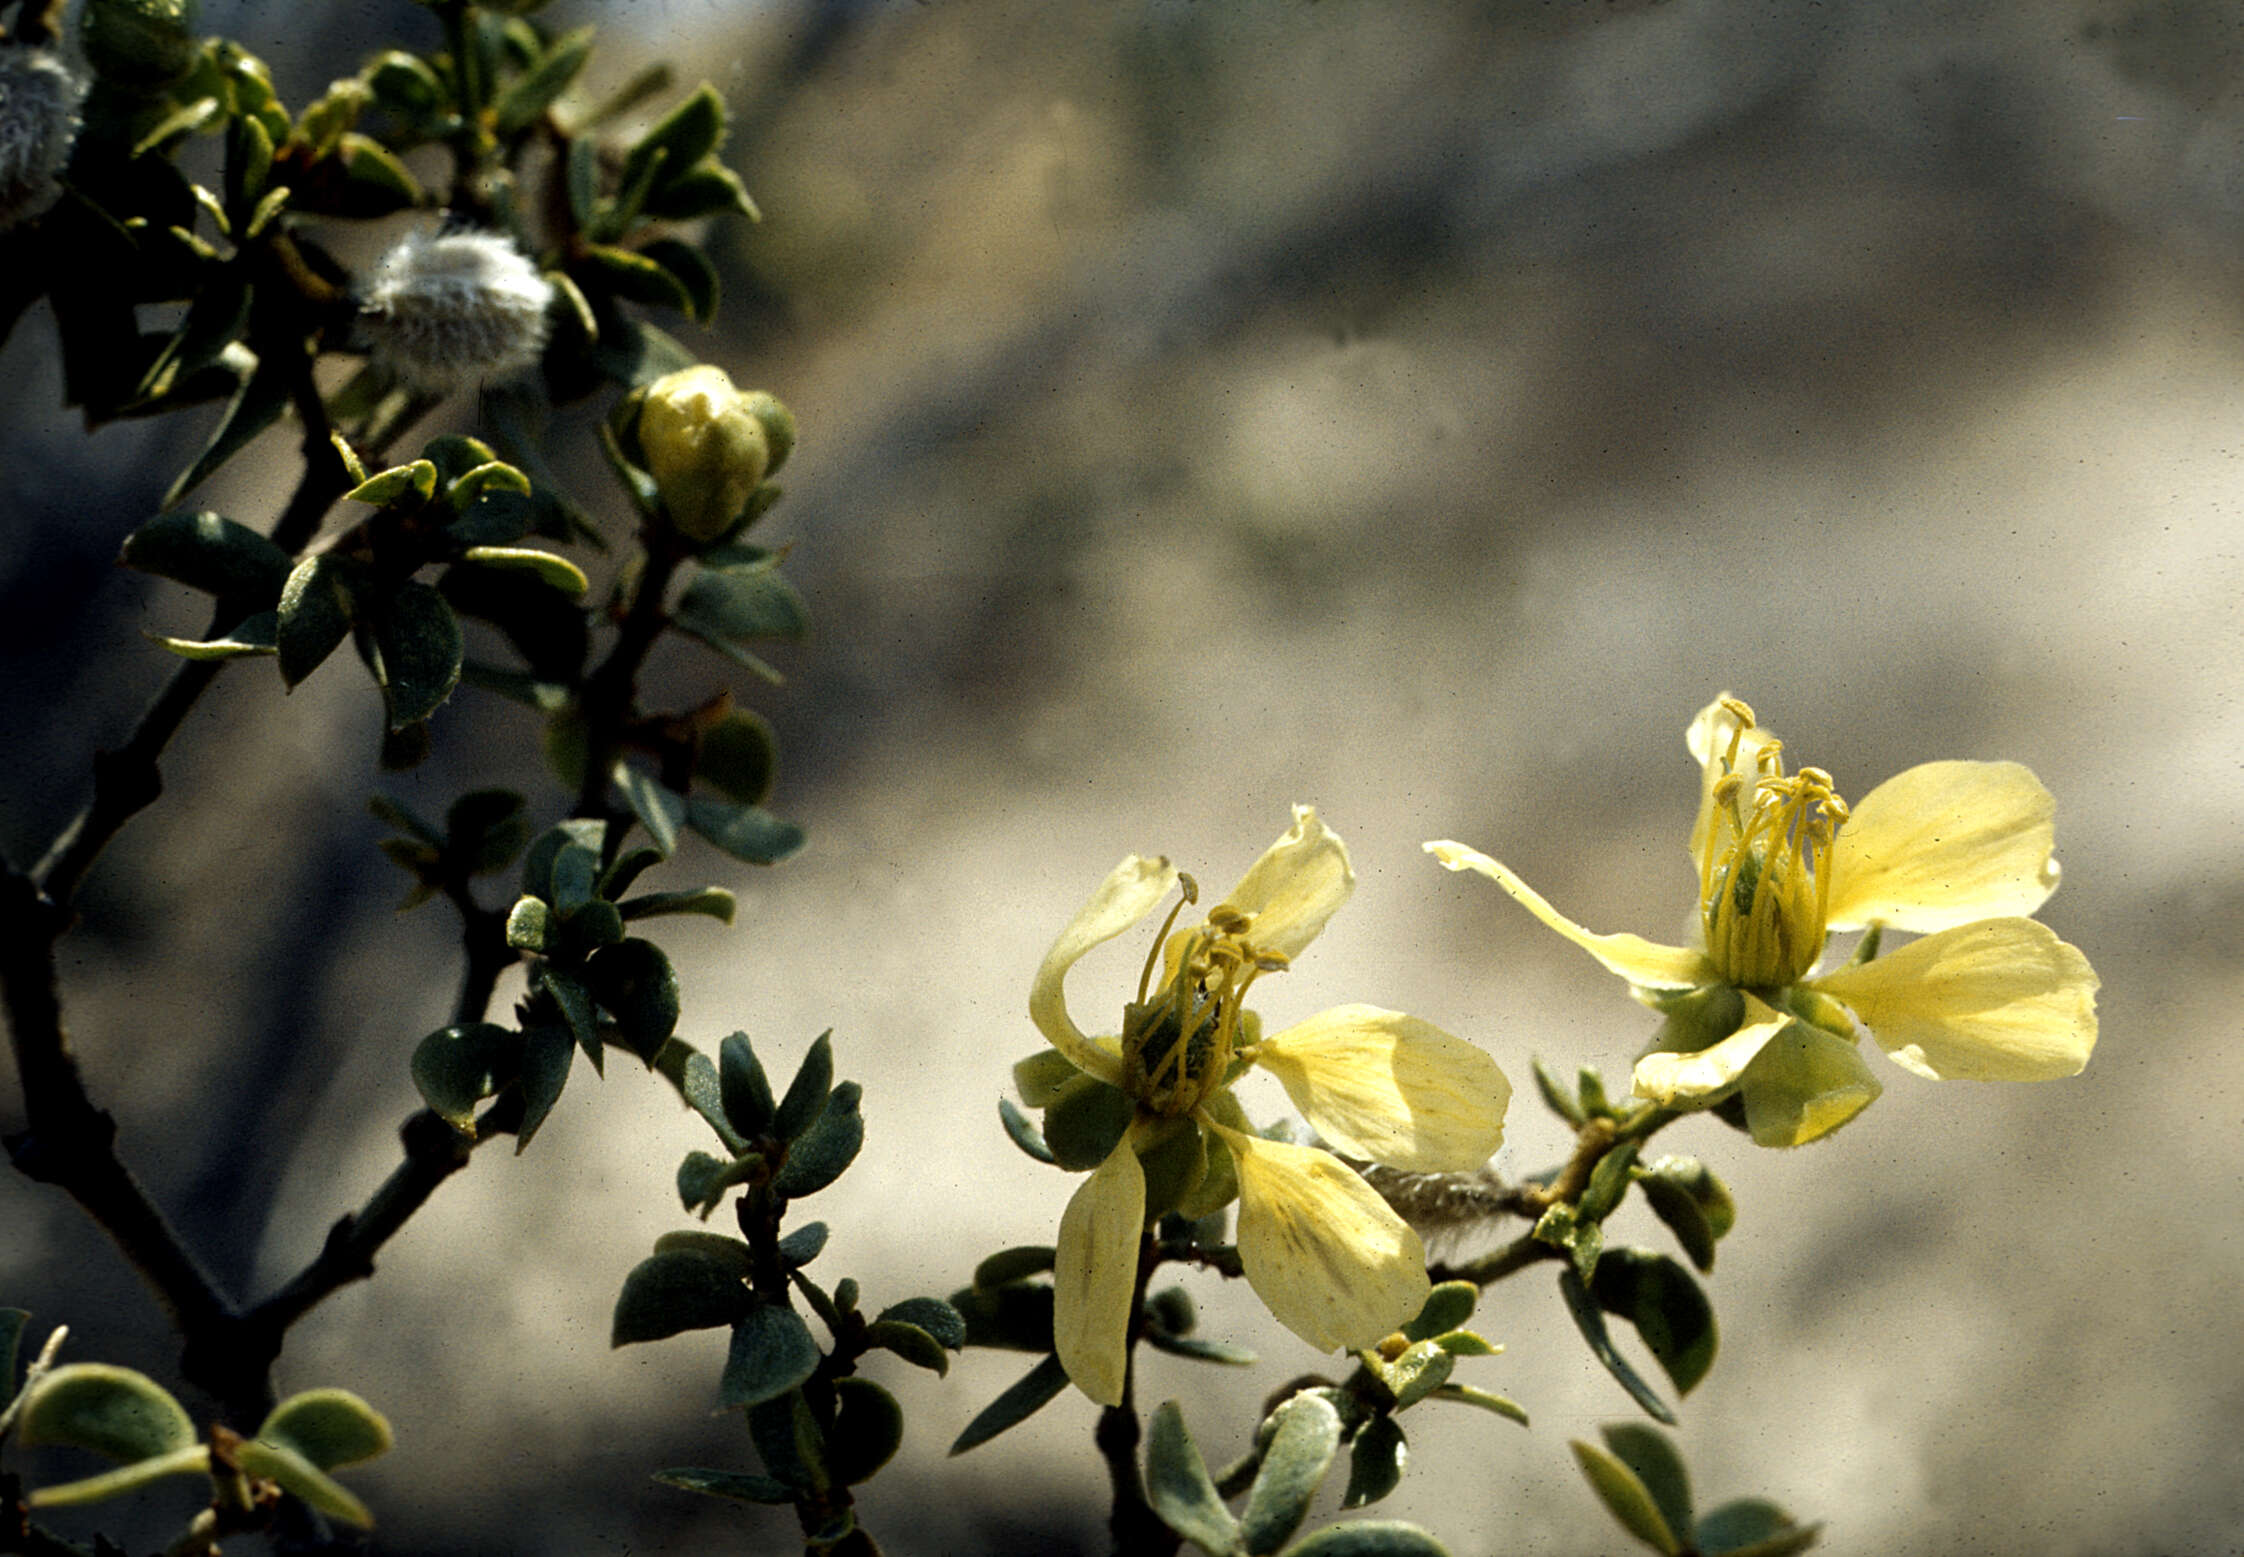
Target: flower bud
x=144, y=45
x=706, y=448
x=38, y=122
x=455, y=310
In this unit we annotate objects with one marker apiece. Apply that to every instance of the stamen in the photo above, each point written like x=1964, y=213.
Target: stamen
x=1191, y=894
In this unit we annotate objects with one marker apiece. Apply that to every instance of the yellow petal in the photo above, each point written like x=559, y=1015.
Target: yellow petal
x=1095, y=1273
x=1391, y=1089
x=1684, y=1079
x=1299, y=883
x=1709, y=738
x=1646, y=964
x=1803, y=1085
x=1945, y=844
x=1329, y=1259
x=2001, y=1000
x=1125, y=897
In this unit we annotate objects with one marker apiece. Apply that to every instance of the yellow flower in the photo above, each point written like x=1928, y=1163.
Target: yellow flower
x=706, y=448
x=1956, y=851
x=1328, y=1257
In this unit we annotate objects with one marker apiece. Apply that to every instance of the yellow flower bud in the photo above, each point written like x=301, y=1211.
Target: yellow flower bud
x=705, y=447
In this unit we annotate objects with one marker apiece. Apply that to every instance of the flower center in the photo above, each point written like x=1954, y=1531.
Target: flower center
x=1177, y=1046
x=1766, y=877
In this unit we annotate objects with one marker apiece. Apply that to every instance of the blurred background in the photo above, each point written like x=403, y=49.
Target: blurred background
x=1419, y=410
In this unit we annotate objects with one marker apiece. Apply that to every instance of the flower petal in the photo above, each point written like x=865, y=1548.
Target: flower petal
x=1331, y=1260
x=1646, y=964
x=1804, y=1084
x=1944, y=844
x=2001, y=1000
x=1125, y=897
x=1391, y=1088
x=1685, y=1079
x=1095, y=1273
x=1709, y=739
x=1299, y=883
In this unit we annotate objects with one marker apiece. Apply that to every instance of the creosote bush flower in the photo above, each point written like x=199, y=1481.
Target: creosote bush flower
x=450, y=311
x=1151, y=1111
x=1959, y=852
x=39, y=100
x=706, y=447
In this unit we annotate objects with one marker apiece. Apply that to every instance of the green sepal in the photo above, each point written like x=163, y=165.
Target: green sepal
x=1375, y=1462
x=740, y=1486
x=675, y=1290
x=1029, y=1394
x=530, y=94
x=1015, y=1264
x=708, y=902
x=772, y=1353
x=456, y=1068
x=1179, y=1487
x=1652, y=1459
x=253, y=635
x=744, y=1087
x=1084, y=1122
x=280, y=1463
x=328, y=1427
x=1590, y=1320
x=824, y=1151
x=209, y=552
x=113, y=1411
x=868, y=1428
x=1447, y=1308
x=413, y=482
x=546, y=1055
x=807, y=1093
x=1305, y=1436
x=1753, y=1527
x=634, y=982
x=1023, y=1133
x=1040, y=1077
x=257, y=405
x=1626, y=1498
x=909, y=1342
x=747, y=833
x=194, y=1459
x=417, y=650
x=1666, y=1305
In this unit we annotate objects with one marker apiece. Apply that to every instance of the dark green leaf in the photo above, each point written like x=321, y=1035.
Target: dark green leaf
x=827, y=1148
x=1016, y=1318
x=1085, y=1120
x=807, y=1093
x=732, y=1253
x=683, y=136
x=696, y=1080
x=933, y=1315
x=658, y=809
x=328, y=1427
x=1753, y=1527
x=546, y=849
x=1629, y=1500
x=1447, y=1307
x=909, y=1342
x=315, y=614
x=455, y=1068
x=787, y=1436
x=706, y=189
x=678, y=1290
x=252, y=635
x=1590, y=1320
x=211, y=553
x=1178, y=1486
x=734, y=607
x=1422, y=1368
x=1557, y=1097
x=803, y=1245
x=1035, y=1390
x=634, y=982
x=417, y=643
x=1607, y=1184
x=546, y=1053
x=868, y=1427
x=738, y=756
x=530, y=94
x=1647, y=1452
x=1015, y=1264
x=709, y=902
x=1369, y=1538
x=1667, y=1307
x=1306, y=1435
x=583, y=175
x=747, y=833
x=575, y=870
x=689, y=268
x=627, y=868
x=1200, y=1349
x=1375, y=1462
x=772, y=1352
x=1024, y=1133
x=740, y=1486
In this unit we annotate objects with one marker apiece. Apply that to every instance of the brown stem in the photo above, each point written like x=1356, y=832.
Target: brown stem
x=1133, y=1524
x=611, y=690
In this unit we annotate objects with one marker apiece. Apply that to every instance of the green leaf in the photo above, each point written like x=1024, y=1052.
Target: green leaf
x=1035, y=1390
x=1608, y=1182
x=194, y=1459
x=1629, y=1500
x=252, y=635
x=1307, y=1434
x=417, y=648
x=530, y=94
x=1667, y=1307
x=703, y=1179
x=583, y=176
x=279, y=1462
x=772, y=1352
x=211, y=553
x=709, y=902
x=558, y=572
x=933, y=1315
x=1753, y=1527
x=807, y=1093
x=740, y=1486
x=1178, y=1486
x=1375, y=1462
x=683, y=136
x=868, y=1428
x=1369, y=1538
x=721, y=606
x=826, y=1149
x=1199, y=1349
x=412, y=483
x=657, y=808
x=629, y=274
x=733, y=1253
x=315, y=614
x=695, y=278
x=456, y=1068
x=1464, y=1343
x=707, y=189
x=675, y=1290
x=1590, y=1320
x=113, y=1411
x=634, y=982
x=793, y=1449
x=546, y=1053
x=1023, y=1133
x=546, y=849
x=1556, y=1097
x=1447, y=1308
x=803, y=1245
x=695, y=1078
x=1584, y=1242
x=747, y=833
x=909, y=1342
x=738, y=755
x=1016, y=1317
x=1084, y=1122
x=1649, y=1455
x=528, y=924
x=745, y=1088
x=328, y=1427
x=1014, y=1264
x=378, y=183
x=1422, y=1368
x=1466, y=1395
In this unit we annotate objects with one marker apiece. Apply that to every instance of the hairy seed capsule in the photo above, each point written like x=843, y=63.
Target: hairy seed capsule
x=456, y=310
x=38, y=122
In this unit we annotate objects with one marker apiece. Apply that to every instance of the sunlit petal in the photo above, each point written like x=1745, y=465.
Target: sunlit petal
x=1944, y=844
x=1299, y=883
x=1125, y=897
x=2001, y=1000
x=1646, y=964
x=1327, y=1256
x=1391, y=1088
x=1804, y=1084
x=1095, y=1273
x=1683, y=1079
